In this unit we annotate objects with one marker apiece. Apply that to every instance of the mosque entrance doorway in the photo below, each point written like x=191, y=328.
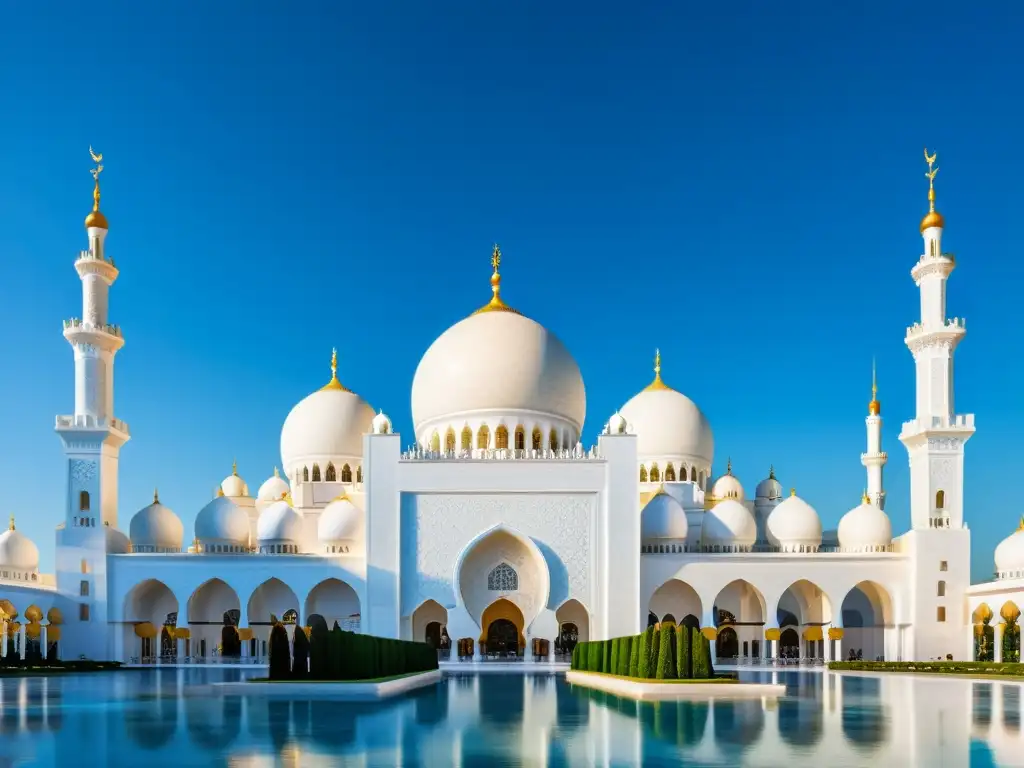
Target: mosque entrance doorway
x=727, y=646
x=502, y=638
x=433, y=634
x=789, y=644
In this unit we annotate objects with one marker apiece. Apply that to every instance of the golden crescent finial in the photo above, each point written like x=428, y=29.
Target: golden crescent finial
x=496, y=304
x=933, y=218
x=95, y=218
x=334, y=383
x=657, y=383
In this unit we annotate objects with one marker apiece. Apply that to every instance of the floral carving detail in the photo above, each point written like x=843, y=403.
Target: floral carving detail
x=82, y=471
x=945, y=443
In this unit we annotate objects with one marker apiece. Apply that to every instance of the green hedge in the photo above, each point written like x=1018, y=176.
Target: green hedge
x=664, y=652
x=942, y=667
x=340, y=655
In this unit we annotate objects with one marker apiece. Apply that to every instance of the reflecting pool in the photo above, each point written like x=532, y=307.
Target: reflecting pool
x=173, y=717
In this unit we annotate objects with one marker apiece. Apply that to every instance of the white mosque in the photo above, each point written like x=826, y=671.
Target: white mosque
x=499, y=525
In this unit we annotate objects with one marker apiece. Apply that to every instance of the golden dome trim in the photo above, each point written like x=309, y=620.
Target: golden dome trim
x=334, y=383
x=96, y=217
x=657, y=384
x=933, y=218
x=865, y=499
x=1019, y=527
x=496, y=304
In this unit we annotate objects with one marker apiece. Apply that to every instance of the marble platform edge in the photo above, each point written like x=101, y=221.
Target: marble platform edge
x=662, y=691
x=484, y=667
x=353, y=691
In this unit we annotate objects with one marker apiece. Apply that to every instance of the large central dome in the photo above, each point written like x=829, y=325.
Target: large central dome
x=497, y=365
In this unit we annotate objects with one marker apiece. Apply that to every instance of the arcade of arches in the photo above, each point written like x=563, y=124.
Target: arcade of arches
x=215, y=624
x=28, y=632
x=805, y=625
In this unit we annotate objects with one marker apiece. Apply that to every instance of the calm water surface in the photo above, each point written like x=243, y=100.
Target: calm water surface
x=170, y=717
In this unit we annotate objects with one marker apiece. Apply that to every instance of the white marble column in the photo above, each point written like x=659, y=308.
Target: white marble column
x=42, y=642
x=997, y=641
x=3, y=639
x=22, y=645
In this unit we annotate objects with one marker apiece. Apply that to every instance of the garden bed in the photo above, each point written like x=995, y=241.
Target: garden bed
x=646, y=689
x=969, y=668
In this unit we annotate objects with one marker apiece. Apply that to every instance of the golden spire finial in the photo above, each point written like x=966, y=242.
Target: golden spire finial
x=933, y=218
x=875, y=406
x=728, y=466
x=234, y=467
x=1019, y=527
x=496, y=304
x=220, y=491
x=771, y=472
x=156, y=496
x=334, y=383
x=11, y=526
x=95, y=217
x=276, y=473
x=792, y=491
x=657, y=383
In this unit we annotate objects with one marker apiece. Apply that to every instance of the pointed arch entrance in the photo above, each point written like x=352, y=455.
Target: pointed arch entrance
x=503, y=629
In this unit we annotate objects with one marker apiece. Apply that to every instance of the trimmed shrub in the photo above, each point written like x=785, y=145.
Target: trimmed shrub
x=300, y=655
x=624, y=655
x=646, y=642
x=616, y=646
x=335, y=654
x=634, y=656
x=655, y=646
x=684, y=653
x=280, y=655
x=666, y=669
x=606, y=656
x=318, y=646
x=702, y=669
x=941, y=667
x=594, y=657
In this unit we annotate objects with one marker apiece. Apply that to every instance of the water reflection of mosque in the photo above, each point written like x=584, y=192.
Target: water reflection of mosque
x=535, y=719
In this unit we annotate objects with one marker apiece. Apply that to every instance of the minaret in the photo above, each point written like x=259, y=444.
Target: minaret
x=92, y=436
x=874, y=458
x=935, y=438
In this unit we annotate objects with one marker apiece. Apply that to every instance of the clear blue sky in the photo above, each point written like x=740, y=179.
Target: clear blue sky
x=739, y=187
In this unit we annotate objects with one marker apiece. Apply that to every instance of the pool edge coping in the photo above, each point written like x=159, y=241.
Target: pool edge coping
x=335, y=690
x=663, y=691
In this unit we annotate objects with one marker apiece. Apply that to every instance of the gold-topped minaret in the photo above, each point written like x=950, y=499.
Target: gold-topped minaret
x=875, y=406
x=96, y=217
x=496, y=304
x=334, y=383
x=657, y=383
x=933, y=218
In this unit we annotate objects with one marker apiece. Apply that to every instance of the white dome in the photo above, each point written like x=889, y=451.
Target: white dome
x=328, y=425
x=865, y=528
x=496, y=360
x=279, y=522
x=17, y=550
x=667, y=423
x=381, y=424
x=222, y=521
x=117, y=542
x=156, y=529
x=663, y=518
x=616, y=424
x=728, y=486
x=792, y=524
x=340, y=521
x=729, y=524
x=769, y=488
x=233, y=485
x=273, y=489
x=1010, y=553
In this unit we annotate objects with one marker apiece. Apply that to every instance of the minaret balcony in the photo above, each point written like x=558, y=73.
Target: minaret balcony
x=88, y=423
x=959, y=426
x=950, y=332
x=874, y=458
x=90, y=256
x=105, y=336
x=89, y=263
x=933, y=265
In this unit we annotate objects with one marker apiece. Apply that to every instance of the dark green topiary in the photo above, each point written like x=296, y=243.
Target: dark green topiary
x=702, y=669
x=684, y=655
x=334, y=654
x=643, y=668
x=666, y=669
x=575, y=663
x=300, y=655
x=613, y=669
x=594, y=657
x=606, y=655
x=634, y=656
x=280, y=655
x=655, y=648
x=319, y=647
x=624, y=654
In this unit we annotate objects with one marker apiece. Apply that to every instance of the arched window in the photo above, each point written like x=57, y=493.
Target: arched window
x=332, y=475
x=655, y=474
x=942, y=589
x=346, y=474
x=940, y=500
x=316, y=473
x=670, y=473
x=467, y=439
x=83, y=501
x=537, y=439
x=503, y=579
x=553, y=440
x=520, y=438
x=693, y=474
x=359, y=473
x=435, y=442
x=305, y=474
x=449, y=440
x=501, y=437
x=483, y=438
x=643, y=474
x=290, y=616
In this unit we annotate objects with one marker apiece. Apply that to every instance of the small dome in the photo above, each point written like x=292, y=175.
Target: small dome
x=325, y=426
x=273, y=489
x=793, y=524
x=223, y=522
x=769, y=488
x=381, y=424
x=340, y=521
x=117, y=542
x=932, y=219
x=616, y=424
x=279, y=522
x=727, y=486
x=17, y=550
x=729, y=524
x=1010, y=553
x=663, y=518
x=156, y=529
x=865, y=528
x=233, y=485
